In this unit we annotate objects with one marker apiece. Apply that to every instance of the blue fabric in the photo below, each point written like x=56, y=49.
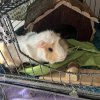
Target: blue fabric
x=96, y=39
x=95, y=90
x=2, y=69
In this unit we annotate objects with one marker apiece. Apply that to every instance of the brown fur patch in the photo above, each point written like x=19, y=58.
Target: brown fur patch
x=51, y=56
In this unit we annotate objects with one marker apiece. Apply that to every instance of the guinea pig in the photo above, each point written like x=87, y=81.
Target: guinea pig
x=46, y=46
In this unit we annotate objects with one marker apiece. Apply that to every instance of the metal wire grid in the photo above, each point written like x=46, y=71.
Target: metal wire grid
x=42, y=84
x=16, y=9
x=19, y=79
x=8, y=5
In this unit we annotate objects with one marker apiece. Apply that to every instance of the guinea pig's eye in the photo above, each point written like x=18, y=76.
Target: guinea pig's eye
x=50, y=49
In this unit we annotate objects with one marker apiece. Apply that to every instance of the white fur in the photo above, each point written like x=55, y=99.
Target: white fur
x=28, y=44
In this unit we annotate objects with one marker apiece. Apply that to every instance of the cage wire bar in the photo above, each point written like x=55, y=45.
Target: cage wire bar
x=17, y=79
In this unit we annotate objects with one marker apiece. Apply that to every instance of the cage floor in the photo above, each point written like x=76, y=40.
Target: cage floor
x=76, y=79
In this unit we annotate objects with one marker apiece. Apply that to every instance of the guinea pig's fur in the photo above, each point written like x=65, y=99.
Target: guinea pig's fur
x=46, y=46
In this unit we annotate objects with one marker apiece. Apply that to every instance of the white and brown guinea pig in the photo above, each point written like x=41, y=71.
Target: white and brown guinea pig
x=47, y=46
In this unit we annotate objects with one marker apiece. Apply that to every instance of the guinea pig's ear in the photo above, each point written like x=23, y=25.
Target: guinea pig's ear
x=41, y=44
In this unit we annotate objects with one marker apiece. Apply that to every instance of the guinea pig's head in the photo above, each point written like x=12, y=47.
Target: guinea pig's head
x=54, y=50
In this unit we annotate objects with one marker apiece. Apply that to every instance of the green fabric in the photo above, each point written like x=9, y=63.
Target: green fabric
x=87, y=46
x=83, y=53
x=90, y=57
